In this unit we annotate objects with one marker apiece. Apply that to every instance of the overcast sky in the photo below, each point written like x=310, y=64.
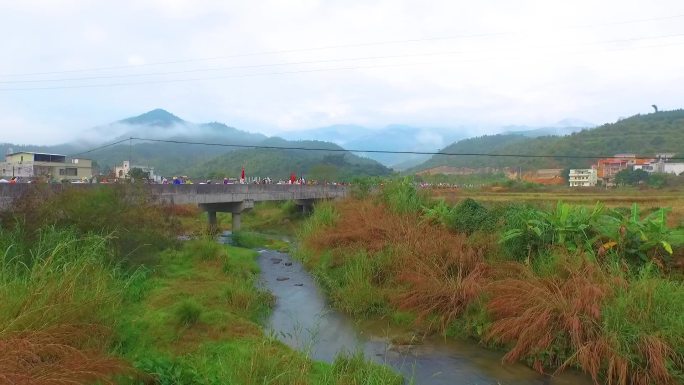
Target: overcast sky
x=273, y=66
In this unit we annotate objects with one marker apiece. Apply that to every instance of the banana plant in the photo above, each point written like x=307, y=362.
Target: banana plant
x=567, y=225
x=439, y=213
x=644, y=239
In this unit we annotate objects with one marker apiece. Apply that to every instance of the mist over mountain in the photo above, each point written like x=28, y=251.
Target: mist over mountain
x=394, y=137
x=564, y=127
x=197, y=159
x=180, y=158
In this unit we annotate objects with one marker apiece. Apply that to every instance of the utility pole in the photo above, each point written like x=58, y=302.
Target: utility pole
x=130, y=152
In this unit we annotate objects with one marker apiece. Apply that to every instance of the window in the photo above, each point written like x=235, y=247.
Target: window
x=49, y=158
x=70, y=171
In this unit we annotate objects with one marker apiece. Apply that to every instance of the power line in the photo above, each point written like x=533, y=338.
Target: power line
x=98, y=148
x=337, y=46
x=355, y=67
x=299, y=148
x=377, y=57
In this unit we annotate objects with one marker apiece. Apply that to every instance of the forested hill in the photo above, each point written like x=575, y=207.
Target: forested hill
x=641, y=134
x=279, y=164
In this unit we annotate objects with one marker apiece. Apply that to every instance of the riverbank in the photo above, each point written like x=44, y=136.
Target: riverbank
x=95, y=288
x=575, y=291
x=200, y=322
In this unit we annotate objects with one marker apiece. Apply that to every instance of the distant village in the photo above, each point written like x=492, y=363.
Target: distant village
x=40, y=167
x=32, y=166
x=602, y=173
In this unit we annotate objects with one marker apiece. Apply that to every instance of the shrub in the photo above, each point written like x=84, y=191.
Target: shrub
x=469, y=216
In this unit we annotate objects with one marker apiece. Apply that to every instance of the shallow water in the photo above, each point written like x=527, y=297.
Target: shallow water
x=303, y=320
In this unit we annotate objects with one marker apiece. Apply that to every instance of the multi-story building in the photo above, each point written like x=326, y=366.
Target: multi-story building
x=606, y=169
x=123, y=170
x=33, y=165
x=586, y=177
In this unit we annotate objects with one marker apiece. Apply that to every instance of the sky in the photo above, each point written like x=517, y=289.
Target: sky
x=280, y=65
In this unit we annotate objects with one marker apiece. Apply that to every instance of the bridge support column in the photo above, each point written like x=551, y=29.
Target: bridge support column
x=234, y=208
x=236, y=220
x=213, y=223
x=306, y=205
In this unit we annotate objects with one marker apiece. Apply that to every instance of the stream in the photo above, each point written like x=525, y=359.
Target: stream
x=303, y=319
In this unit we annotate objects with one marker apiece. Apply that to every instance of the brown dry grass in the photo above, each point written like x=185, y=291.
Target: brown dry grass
x=535, y=313
x=554, y=319
x=434, y=272
x=65, y=354
x=602, y=356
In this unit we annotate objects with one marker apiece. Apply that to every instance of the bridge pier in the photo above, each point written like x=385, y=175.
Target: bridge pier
x=213, y=223
x=306, y=205
x=234, y=208
x=236, y=220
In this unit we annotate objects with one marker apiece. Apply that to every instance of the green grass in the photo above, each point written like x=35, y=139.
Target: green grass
x=252, y=240
x=188, y=312
x=649, y=307
x=353, y=285
x=200, y=323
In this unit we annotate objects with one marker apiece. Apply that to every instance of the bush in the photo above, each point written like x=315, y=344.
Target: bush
x=469, y=216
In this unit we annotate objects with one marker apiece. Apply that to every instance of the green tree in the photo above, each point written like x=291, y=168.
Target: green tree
x=323, y=172
x=657, y=180
x=630, y=177
x=138, y=174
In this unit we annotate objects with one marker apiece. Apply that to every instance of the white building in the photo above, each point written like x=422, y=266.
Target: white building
x=123, y=170
x=584, y=177
x=669, y=168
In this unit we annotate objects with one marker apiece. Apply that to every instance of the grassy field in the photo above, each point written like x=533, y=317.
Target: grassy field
x=623, y=197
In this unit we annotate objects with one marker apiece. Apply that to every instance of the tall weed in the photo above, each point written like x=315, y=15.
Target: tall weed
x=58, y=299
x=402, y=197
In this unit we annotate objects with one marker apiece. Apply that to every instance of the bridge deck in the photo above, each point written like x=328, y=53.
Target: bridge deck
x=199, y=194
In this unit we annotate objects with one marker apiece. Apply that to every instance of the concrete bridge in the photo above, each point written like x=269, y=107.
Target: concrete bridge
x=212, y=198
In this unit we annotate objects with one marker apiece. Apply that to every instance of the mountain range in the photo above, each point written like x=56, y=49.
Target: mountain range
x=224, y=157
x=643, y=134
x=646, y=135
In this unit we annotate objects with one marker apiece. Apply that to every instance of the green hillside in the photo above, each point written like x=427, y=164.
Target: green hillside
x=279, y=164
x=641, y=134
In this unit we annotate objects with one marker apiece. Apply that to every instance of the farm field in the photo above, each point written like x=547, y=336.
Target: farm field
x=646, y=199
